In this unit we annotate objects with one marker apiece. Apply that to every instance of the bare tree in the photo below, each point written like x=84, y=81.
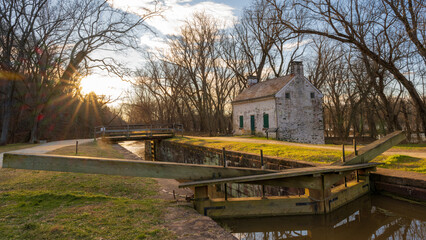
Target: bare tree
x=263, y=42
x=369, y=27
x=58, y=41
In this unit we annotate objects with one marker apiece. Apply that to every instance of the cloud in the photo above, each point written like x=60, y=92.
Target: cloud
x=175, y=12
x=291, y=45
x=151, y=41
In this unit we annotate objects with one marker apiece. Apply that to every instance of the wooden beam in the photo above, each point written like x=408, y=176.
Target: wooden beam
x=373, y=149
x=136, y=137
x=288, y=173
x=124, y=167
x=295, y=182
x=280, y=206
x=256, y=207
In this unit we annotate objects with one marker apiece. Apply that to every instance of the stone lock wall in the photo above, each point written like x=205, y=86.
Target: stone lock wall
x=169, y=151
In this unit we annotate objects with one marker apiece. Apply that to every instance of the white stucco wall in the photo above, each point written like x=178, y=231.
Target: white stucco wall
x=300, y=118
x=258, y=109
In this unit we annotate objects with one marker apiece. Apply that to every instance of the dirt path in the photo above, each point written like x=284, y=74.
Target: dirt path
x=47, y=147
x=417, y=154
x=180, y=216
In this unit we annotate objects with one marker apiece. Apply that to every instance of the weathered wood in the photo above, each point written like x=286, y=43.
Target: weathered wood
x=255, y=207
x=314, y=203
x=137, y=132
x=201, y=193
x=341, y=195
x=137, y=137
x=373, y=149
x=295, y=182
x=294, y=172
x=124, y=167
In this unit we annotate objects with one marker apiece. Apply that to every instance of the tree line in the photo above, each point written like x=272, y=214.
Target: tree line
x=367, y=57
x=46, y=47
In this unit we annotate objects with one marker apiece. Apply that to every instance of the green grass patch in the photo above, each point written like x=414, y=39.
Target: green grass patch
x=16, y=146
x=92, y=149
x=403, y=162
x=54, y=205
x=277, y=150
x=411, y=146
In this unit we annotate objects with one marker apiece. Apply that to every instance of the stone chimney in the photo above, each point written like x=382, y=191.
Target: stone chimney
x=296, y=68
x=252, y=80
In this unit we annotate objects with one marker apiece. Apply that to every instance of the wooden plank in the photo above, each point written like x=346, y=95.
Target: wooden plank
x=296, y=182
x=281, y=206
x=294, y=172
x=256, y=207
x=341, y=195
x=124, y=167
x=373, y=149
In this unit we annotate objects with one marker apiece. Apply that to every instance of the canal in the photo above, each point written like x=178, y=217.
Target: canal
x=369, y=217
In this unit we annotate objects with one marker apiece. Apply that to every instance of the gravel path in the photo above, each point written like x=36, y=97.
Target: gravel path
x=47, y=147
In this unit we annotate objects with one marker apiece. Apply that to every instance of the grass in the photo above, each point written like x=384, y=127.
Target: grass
x=412, y=147
x=92, y=149
x=315, y=155
x=15, y=146
x=403, y=162
x=52, y=205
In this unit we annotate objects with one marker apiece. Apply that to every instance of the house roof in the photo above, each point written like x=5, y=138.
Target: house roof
x=264, y=89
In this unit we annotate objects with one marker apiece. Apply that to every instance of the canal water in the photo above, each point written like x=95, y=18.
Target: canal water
x=136, y=147
x=369, y=217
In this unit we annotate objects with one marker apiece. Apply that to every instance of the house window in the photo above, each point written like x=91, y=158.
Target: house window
x=241, y=122
x=312, y=95
x=265, y=120
x=287, y=95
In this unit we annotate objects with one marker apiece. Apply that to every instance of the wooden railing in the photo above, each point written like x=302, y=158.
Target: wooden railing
x=138, y=130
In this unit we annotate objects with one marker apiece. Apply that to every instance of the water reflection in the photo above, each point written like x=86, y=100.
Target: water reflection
x=370, y=217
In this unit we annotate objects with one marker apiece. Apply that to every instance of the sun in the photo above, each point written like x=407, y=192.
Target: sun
x=109, y=86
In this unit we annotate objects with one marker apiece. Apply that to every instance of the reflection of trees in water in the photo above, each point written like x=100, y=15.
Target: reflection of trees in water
x=402, y=228
x=377, y=225
x=369, y=217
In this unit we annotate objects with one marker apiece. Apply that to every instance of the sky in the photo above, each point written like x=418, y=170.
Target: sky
x=174, y=14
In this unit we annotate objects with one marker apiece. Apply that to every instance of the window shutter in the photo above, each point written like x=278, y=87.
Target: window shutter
x=265, y=120
x=241, y=122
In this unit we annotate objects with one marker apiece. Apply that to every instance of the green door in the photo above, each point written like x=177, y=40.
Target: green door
x=252, y=126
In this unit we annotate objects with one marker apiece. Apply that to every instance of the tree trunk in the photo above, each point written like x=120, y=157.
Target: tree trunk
x=10, y=89
x=33, y=136
x=406, y=120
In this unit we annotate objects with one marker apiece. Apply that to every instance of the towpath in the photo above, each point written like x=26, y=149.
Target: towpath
x=47, y=147
x=392, y=151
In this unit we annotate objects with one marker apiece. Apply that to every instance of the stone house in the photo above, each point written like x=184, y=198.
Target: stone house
x=289, y=108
